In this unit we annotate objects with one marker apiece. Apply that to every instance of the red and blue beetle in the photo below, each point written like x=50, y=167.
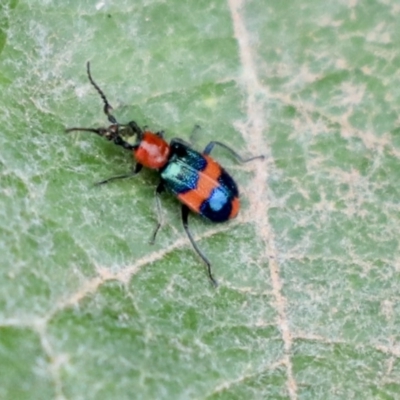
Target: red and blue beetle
x=196, y=179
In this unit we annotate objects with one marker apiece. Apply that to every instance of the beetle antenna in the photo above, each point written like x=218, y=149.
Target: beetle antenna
x=107, y=107
x=99, y=131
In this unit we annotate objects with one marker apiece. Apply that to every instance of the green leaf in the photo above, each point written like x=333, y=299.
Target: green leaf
x=308, y=304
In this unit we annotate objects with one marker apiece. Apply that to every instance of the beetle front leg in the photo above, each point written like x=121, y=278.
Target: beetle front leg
x=138, y=167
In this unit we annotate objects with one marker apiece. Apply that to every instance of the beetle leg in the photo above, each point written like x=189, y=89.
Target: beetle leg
x=185, y=215
x=194, y=134
x=238, y=157
x=133, y=172
x=160, y=188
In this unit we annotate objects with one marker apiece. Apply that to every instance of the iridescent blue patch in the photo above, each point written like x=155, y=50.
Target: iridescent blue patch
x=217, y=199
x=180, y=177
x=218, y=206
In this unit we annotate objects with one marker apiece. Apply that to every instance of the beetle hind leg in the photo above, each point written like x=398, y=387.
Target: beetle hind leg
x=185, y=216
x=135, y=170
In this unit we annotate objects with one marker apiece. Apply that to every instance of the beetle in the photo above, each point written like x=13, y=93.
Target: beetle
x=199, y=182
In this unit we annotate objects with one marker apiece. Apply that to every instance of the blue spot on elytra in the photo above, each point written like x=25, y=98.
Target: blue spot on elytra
x=217, y=199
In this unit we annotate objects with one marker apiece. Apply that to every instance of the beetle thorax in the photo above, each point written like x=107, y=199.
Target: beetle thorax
x=153, y=151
